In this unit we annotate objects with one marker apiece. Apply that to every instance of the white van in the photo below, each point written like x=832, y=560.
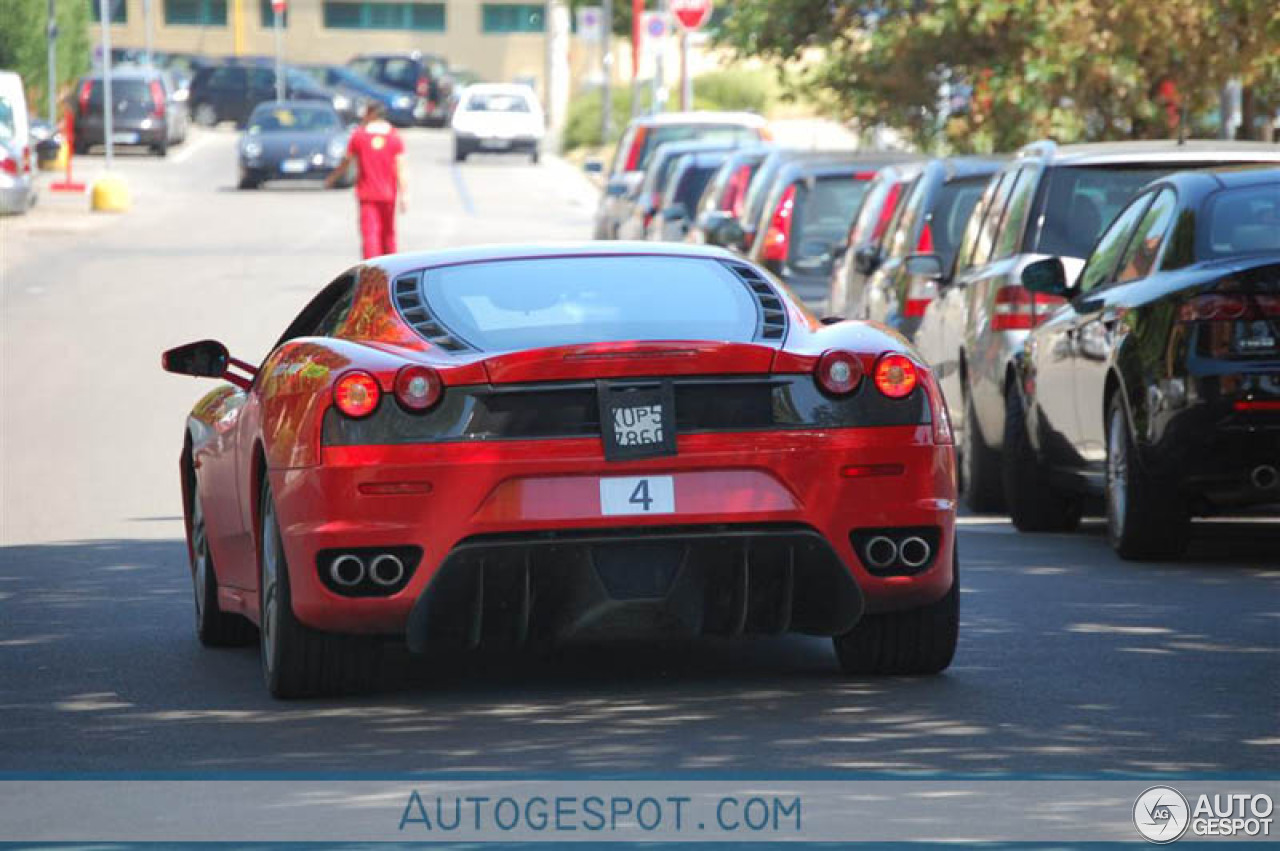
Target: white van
x=17, y=158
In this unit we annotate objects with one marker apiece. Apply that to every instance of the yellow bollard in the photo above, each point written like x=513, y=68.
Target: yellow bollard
x=109, y=194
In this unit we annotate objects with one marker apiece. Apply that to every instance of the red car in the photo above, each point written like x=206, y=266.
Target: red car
x=515, y=444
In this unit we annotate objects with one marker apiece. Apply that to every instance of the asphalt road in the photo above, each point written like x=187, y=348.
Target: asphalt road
x=1070, y=661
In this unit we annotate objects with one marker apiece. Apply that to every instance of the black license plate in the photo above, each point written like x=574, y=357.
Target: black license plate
x=637, y=422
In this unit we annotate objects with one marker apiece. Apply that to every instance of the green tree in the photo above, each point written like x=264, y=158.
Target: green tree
x=24, y=44
x=1024, y=69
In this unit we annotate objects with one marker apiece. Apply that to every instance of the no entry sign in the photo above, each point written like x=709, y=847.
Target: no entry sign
x=691, y=14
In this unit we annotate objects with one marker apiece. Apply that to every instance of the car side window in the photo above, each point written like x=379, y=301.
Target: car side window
x=1102, y=260
x=905, y=218
x=363, y=66
x=969, y=241
x=326, y=312
x=262, y=78
x=1009, y=240
x=401, y=72
x=227, y=78
x=1140, y=257
x=991, y=220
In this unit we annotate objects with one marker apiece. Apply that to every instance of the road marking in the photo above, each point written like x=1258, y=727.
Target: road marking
x=189, y=148
x=461, y=186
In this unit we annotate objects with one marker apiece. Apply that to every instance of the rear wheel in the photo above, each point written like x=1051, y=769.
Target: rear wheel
x=981, y=465
x=249, y=182
x=206, y=115
x=1034, y=506
x=1146, y=519
x=160, y=149
x=214, y=627
x=918, y=641
x=534, y=156
x=459, y=153
x=298, y=661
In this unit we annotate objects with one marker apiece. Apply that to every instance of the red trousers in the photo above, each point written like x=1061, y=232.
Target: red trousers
x=378, y=227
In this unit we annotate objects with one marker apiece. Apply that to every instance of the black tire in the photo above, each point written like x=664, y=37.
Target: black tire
x=914, y=642
x=80, y=148
x=298, y=661
x=459, y=153
x=983, y=490
x=160, y=149
x=1033, y=505
x=1147, y=519
x=249, y=183
x=534, y=156
x=214, y=627
x=206, y=115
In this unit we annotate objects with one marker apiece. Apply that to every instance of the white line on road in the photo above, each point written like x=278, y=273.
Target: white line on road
x=188, y=150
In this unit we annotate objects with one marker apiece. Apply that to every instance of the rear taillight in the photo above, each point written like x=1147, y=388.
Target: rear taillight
x=896, y=375
x=778, y=237
x=924, y=245
x=86, y=88
x=838, y=373
x=157, y=99
x=886, y=212
x=418, y=388
x=8, y=164
x=1212, y=307
x=942, y=433
x=735, y=191
x=356, y=394
x=637, y=145
x=424, y=87
x=922, y=290
x=1018, y=309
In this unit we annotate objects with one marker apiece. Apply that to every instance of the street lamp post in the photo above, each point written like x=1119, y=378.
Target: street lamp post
x=108, y=103
x=146, y=23
x=53, y=63
x=606, y=68
x=277, y=10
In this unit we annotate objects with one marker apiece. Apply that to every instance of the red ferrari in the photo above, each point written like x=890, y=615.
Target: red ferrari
x=516, y=445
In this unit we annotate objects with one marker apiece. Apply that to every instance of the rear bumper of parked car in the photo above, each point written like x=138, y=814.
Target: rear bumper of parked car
x=760, y=540
x=473, y=143
x=16, y=194
x=264, y=169
x=151, y=131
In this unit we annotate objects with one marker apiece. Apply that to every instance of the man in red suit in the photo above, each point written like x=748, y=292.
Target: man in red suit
x=378, y=153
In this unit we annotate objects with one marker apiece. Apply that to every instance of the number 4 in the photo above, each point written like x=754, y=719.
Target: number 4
x=640, y=496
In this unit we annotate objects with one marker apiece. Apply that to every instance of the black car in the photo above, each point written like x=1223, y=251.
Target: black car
x=145, y=112
x=1157, y=385
x=423, y=76
x=231, y=90
x=689, y=177
x=726, y=194
x=646, y=205
x=397, y=105
x=919, y=248
x=291, y=140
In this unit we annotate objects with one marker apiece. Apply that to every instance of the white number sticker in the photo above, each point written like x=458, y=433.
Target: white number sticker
x=637, y=495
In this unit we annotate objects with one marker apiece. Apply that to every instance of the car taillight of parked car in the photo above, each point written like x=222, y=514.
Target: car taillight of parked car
x=8, y=164
x=1019, y=309
x=735, y=191
x=637, y=146
x=424, y=87
x=1234, y=324
x=157, y=99
x=921, y=291
x=896, y=375
x=886, y=212
x=778, y=237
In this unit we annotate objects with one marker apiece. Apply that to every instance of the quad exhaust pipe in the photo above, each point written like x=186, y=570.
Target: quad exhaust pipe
x=347, y=571
x=386, y=570
x=1264, y=477
x=914, y=552
x=881, y=551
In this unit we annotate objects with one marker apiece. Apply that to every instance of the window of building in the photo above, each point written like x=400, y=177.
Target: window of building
x=200, y=13
x=119, y=11
x=501, y=18
x=268, y=16
x=384, y=16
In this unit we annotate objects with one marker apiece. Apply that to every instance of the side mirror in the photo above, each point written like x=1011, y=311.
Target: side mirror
x=866, y=259
x=593, y=166
x=838, y=250
x=831, y=320
x=924, y=266
x=205, y=359
x=1046, y=276
x=731, y=235
x=616, y=188
x=674, y=213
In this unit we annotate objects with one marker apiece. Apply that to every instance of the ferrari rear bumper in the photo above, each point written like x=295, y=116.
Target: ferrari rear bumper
x=515, y=542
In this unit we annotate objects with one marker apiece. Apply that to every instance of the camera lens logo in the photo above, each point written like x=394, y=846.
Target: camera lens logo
x=1161, y=814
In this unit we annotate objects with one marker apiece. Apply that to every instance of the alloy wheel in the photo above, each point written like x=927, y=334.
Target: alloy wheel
x=270, y=587
x=1117, y=471
x=200, y=551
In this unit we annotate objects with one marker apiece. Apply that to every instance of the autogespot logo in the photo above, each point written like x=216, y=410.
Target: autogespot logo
x=1161, y=814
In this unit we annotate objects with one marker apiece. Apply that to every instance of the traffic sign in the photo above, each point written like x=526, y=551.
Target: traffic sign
x=278, y=6
x=691, y=14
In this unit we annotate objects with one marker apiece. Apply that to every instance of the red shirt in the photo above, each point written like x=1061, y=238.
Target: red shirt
x=374, y=147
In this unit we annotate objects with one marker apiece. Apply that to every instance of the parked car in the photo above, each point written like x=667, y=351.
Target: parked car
x=145, y=113
x=498, y=118
x=17, y=178
x=805, y=220
x=1050, y=200
x=920, y=243
x=864, y=247
x=460, y=79
x=291, y=140
x=688, y=180
x=534, y=395
x=738, y=234
x=424, y=76
x=726, y=194
x=230, y=91
x=646, y=205
x=397, y=106
x=645, y=135
x=1156, y=386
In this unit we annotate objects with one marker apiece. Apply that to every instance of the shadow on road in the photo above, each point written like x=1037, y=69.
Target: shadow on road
x=1071, y=661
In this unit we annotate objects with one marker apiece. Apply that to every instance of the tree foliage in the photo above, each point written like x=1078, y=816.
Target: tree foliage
x=1015, y=69
x=24, y=44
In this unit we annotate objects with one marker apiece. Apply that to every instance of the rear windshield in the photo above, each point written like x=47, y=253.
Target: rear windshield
x=821, y=216
x=478, y=102
x=122, y=91
x=1242, y=221
x=279, y=118
x=690, y=184
x=536, y=303
x=1082, y=200
x=729, y=133
x=951, y=213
